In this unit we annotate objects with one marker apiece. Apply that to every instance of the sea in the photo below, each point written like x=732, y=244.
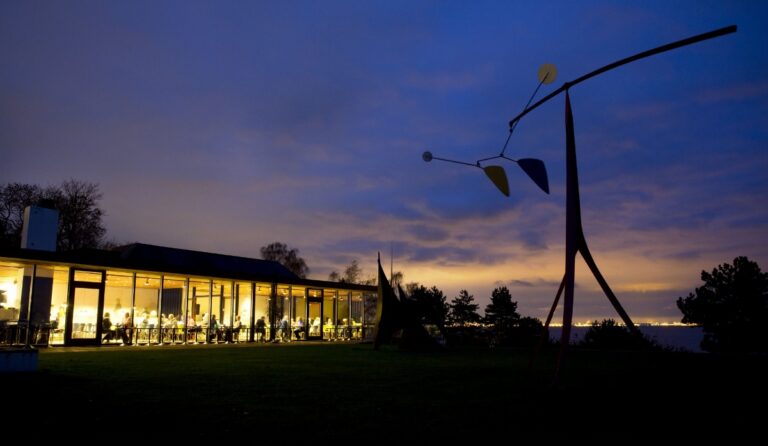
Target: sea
x=678, y=337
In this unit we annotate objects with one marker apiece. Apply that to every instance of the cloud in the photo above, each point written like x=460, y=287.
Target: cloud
x=734, y=93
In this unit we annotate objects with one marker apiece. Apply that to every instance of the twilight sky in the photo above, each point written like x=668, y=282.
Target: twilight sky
x=223, y=126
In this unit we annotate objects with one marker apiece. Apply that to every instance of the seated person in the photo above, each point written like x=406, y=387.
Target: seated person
x=299, y=329
x=213, y=329
x=125, y=329
x=283, y=330
x=314, y=330
x=236, y=328
x=106, y=327
x=261, y=329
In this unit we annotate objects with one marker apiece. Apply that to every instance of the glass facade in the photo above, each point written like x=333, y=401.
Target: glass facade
x=118, y=306
x=11, y=280
x=299, y=317
x=83, y=306
x=84, y=313
x=263, y=329
x=357, y=314
x=58, y=313
x=329, y=314
x=242, y=304
x=172, y=304
x=146, y=309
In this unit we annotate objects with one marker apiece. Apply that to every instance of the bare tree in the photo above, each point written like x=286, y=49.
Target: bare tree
x=80, y=224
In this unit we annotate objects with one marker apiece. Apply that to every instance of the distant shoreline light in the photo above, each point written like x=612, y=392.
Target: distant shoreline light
x=640, y=324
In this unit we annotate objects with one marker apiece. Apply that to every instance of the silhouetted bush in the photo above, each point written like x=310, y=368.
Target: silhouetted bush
x=608, y=334
x=731, y=306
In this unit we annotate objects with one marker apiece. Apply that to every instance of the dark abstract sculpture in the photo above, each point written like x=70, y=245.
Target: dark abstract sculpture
x=575, y=242
x=388, y=311
x=395, y=315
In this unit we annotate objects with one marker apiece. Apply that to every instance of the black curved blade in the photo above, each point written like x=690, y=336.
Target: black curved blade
x=536, y=170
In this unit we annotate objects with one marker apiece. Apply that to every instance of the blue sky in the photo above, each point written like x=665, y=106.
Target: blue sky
x=224, y=126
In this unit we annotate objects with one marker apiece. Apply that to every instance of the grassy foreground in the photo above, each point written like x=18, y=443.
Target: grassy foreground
x=343, y=392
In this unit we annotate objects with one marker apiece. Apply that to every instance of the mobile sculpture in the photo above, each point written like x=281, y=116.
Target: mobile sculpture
x=575, y=242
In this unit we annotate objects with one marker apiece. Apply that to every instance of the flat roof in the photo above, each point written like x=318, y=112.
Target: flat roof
x=161, y=259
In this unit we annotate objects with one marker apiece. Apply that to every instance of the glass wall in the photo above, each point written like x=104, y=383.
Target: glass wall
x=329, y=314
x=118, y=300
x=58, y=317
x=149, y=308
x=299, y=317
x=145, y=310
x=261, y=311
x=342, y=308
x=198, y=310
x=242, y=322
x=11, y=278
x=282, y=308
x=357, y=314
x=84, y=315
x=217, y=310
x=172, y=307
x=227, y=304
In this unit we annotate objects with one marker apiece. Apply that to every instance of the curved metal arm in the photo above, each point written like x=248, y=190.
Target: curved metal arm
x=618, y=63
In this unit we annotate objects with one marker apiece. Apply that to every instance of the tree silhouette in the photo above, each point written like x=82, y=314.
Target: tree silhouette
x=79, y=215
x=502, y=314
x=463, y=310
x=731, y=306
x=289, y=258
x=502, y=311
x=430, y=305
x=608, y=334
x=352, y=272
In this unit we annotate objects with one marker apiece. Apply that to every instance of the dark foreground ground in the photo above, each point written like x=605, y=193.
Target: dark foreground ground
x=346, y=394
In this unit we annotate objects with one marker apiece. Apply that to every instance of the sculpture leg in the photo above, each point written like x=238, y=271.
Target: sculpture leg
x=554, y=304
x=572, y=230
x=584, y=249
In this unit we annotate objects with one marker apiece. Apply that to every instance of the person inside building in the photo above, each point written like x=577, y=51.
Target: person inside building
x=213, y=329
x=299, y=329
x=125, y=329
x=236, y=325
x=283, y=332
x=314, y=330
x=261, y=330
x=106, y=328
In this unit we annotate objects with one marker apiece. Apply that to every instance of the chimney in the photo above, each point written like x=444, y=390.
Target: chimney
x=41, y=224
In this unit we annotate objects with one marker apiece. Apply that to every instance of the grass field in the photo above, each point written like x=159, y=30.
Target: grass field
x=341, y=392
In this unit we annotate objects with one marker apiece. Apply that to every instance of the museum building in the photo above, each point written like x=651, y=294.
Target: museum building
x=142, y=294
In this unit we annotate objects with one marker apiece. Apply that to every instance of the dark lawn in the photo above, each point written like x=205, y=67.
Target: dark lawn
x=336, y=392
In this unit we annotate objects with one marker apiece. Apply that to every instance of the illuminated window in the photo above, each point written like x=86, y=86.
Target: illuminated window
x=118, y=294
x=58, y=315
x=146, y=317
x=11, y=280
x=172, y=309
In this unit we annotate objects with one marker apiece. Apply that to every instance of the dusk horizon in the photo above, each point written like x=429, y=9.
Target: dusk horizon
x=223, y=127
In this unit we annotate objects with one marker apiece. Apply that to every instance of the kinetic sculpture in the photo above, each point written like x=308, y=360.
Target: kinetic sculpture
x=575, y=242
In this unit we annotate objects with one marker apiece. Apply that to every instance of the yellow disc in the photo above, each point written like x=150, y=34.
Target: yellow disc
x=547, y=73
